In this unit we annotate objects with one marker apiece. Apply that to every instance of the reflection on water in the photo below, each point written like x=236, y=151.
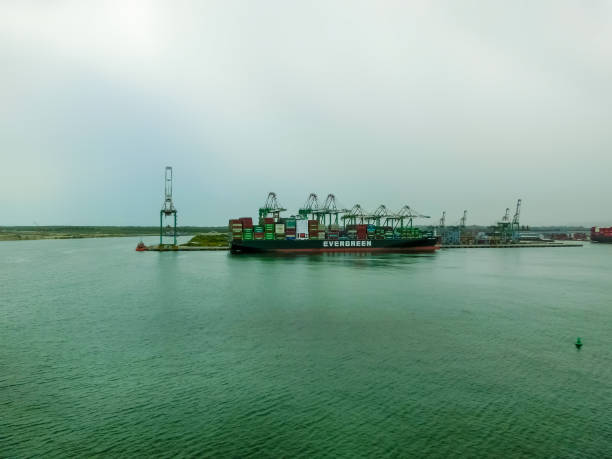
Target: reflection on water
x=351, y=259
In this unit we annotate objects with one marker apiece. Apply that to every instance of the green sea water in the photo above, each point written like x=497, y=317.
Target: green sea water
x=463, y=353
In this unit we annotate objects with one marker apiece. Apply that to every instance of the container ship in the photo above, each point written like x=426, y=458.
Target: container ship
x=601, y=234
x=317, y=229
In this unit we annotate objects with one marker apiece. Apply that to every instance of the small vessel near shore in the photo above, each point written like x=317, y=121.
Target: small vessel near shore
x=141, y=247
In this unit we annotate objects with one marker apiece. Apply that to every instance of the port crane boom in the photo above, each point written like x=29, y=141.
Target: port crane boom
x=463, y=219
x=355, y=213
x=515, y=221
x=330, y=209
x=442, y=221
x=310, y=207
x=380, y=212
x=407, y=213
x=506, y=217
x=271, y=206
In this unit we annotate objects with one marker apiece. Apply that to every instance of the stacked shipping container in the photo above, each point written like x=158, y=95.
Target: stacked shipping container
x=313, y=229
x=292, y=228
x=247, y=228
x=235, y=227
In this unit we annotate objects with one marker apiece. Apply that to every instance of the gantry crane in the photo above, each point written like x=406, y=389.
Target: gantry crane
x=442, y=221
x=355, y=213
x=380, y=212
x=515, y=220
x=406, y=213
x=503, y=230
x=168, y=208
x=330, y=210
x=506, y=217
x=271, y=206
x=463, y=219
x=310, y=207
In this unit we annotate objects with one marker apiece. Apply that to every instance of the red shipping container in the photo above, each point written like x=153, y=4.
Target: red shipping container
x=247, y=222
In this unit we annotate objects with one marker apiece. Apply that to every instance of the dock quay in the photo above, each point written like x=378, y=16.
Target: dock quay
x=511, y=246
x=182, y=248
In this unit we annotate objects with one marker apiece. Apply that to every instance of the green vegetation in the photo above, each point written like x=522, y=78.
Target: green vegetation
x=208, y=240
x=17, y=233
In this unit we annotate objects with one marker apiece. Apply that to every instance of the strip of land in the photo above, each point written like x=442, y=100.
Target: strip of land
x=28, y=233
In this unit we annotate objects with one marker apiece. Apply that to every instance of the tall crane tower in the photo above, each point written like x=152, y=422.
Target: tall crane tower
x=310, y=207
x=406, y=213
x=329, y=209
x=515, y=221
x=380, y=212
x=167, y=210
x=356, y=213
x=504, y=230
x=463, y=219
x=506, y=217
x=442, y=221
x=271, y=206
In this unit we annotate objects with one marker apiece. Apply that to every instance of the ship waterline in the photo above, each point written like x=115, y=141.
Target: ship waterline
x=424, y=244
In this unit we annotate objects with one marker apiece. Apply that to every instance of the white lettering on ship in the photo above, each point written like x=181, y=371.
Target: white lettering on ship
x=347, y=243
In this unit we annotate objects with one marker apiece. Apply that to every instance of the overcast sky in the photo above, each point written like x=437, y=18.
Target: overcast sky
x=439, y=105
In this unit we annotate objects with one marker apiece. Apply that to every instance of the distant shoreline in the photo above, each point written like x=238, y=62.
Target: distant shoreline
x=32, y=233
x=6, y=236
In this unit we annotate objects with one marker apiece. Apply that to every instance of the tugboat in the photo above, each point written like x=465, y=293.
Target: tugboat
x=141, y=247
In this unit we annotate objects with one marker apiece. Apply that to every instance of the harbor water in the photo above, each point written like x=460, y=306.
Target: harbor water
x=461, y=353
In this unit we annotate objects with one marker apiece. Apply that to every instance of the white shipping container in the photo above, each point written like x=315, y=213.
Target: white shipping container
x=301, y=227
x=279, y=228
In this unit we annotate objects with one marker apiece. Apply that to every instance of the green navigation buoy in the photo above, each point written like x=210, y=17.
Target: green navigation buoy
x=578, y=343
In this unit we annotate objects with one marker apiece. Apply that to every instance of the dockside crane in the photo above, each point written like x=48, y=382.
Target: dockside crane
x=355, y=213
x=463, y=219
x=515, y=220
x=506, y=217
x=380, y=212
x=442, y=221
x=271, y=206
x=330, y=209
x=168, y=209
x=407, y=213
x=310, y=207
x=504, y=229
